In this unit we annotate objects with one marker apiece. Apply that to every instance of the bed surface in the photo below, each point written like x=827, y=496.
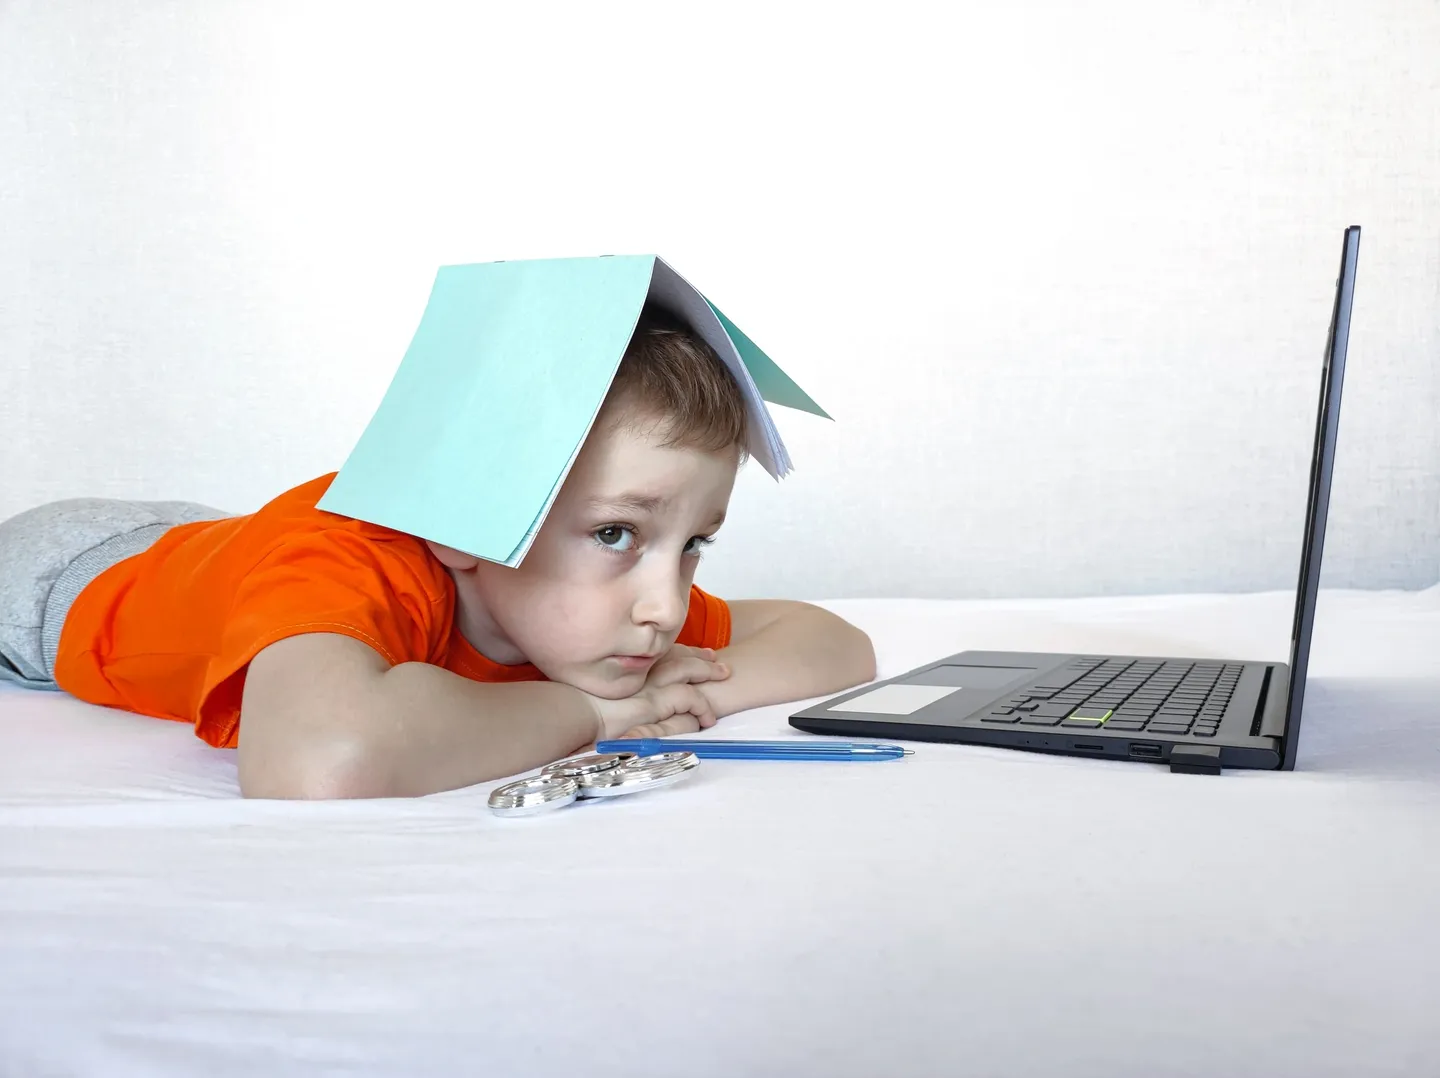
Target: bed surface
x=967, y=911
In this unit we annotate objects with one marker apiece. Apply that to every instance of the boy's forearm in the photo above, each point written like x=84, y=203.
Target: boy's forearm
x=807, y=652
x=448, y=731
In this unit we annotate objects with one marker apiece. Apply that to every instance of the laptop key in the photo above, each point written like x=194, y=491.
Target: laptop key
x=998, y=717
x=1026, y=707
x=1056, y=684
x=1040, y=720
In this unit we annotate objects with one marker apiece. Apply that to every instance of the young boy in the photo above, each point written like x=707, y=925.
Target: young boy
x=348, y=660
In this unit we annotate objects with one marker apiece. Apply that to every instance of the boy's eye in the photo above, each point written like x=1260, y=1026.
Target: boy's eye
x=615, y=537
x=697, y=544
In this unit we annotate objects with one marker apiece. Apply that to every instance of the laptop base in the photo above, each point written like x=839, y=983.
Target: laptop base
x=1197, y=715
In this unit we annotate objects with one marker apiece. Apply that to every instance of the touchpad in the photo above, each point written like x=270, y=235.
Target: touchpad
x=971, y=677
x=944, y=694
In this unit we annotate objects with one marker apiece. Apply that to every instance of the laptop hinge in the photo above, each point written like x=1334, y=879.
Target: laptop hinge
x=1270, y=709
x=1260, y=699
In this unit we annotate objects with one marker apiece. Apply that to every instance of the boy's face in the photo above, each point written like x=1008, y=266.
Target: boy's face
x=605, y=588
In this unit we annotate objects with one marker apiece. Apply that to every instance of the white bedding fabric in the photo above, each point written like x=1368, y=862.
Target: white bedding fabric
x=967, y=911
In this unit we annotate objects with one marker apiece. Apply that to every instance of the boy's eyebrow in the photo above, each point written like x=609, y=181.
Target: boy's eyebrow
x=642, y=503
x=639, y=503
x=628, y=503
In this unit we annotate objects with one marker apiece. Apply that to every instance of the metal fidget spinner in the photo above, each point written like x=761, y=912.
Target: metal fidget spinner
x=583, y=766
x=600, y=775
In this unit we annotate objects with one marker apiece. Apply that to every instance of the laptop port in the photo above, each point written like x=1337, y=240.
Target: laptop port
x=1087, y=746
x=1149, y=752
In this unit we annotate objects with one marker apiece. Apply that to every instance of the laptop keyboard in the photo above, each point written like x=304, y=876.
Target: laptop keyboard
x=1125, y=695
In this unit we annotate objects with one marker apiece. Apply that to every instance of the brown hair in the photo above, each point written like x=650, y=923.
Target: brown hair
x=669, y=375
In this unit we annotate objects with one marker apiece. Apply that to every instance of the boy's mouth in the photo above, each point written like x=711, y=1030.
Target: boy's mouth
x=635, y=662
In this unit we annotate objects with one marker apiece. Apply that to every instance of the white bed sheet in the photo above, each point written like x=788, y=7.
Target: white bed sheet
x=968, y=911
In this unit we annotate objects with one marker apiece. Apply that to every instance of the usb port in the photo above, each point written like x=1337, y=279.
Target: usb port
x=1149, y=751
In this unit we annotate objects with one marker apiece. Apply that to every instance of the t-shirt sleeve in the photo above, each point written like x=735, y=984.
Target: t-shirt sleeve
x=708, y=623
x=383, y=593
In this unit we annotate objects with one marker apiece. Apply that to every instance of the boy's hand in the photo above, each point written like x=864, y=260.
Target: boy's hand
x=654, y=711
x=669, y=702
x=688, y=665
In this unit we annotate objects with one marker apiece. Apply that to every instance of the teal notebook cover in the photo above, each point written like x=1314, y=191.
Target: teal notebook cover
x=500, y=386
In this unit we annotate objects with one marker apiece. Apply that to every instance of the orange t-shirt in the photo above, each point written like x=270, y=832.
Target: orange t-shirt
x=170, y=631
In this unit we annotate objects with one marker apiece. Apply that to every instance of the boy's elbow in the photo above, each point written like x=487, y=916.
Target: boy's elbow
x=334, y=770
x=863, y=649
x=313, y=723
x=852, y=647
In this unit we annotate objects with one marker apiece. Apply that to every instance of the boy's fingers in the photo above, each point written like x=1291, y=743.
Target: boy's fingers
x=676, y=724
x=681, y=724
x=708, y=670
x=700, y=708
x=683, y=671
x=686, y=701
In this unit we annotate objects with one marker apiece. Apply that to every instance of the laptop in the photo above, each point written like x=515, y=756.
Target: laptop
x=1197, y=715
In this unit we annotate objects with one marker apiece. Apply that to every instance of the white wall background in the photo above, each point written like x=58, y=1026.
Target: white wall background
x=1062, y=272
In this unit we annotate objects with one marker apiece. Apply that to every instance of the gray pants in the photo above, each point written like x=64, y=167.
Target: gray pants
x=49, y=554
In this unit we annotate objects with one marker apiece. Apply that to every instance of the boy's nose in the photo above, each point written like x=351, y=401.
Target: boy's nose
x=663, y=603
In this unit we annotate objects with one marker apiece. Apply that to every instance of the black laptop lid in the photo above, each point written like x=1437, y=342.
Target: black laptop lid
x=1317, y=507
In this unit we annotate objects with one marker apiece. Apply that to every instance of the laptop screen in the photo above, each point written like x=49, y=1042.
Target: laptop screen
x=1322, y=463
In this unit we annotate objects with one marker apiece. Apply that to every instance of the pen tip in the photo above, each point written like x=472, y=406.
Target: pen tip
x=909, y=752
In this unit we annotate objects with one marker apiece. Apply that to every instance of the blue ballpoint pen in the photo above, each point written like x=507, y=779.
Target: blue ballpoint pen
x=708, y=749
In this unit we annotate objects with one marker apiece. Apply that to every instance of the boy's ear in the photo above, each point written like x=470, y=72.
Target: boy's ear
x=453, y=559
